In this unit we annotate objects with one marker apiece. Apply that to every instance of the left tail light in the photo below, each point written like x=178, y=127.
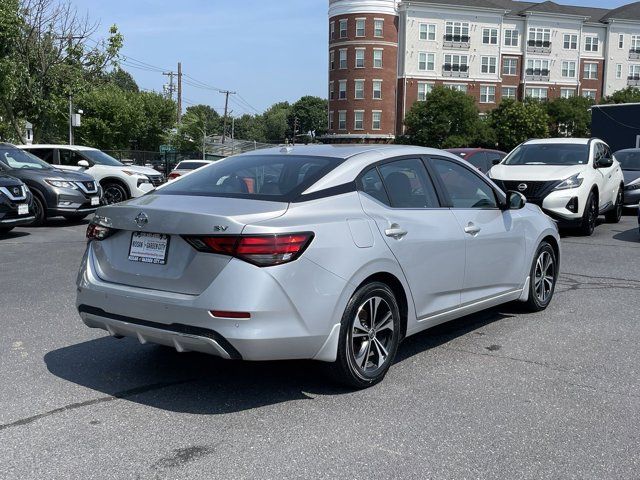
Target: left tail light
x=99, y=232
x=260, y=250
x=173, y=175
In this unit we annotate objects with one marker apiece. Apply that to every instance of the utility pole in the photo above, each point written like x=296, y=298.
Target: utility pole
x=226, y=93
x=170, y=87
x=179, y=91
x=71, y=120
x=296, y=123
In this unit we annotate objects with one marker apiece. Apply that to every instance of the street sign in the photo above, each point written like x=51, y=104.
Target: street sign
x=167, y=149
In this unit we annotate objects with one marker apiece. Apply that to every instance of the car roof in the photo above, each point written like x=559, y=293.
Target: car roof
x=46, y=145
x=628, y=150
x=565, y=141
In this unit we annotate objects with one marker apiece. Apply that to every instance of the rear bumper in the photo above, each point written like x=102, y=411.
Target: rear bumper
x=631, y=198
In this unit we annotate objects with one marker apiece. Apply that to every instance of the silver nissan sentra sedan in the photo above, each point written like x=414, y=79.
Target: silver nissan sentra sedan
x=332, y=253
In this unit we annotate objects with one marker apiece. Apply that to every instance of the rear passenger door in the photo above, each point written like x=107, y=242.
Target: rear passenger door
x=400, y=197
x=495, y=241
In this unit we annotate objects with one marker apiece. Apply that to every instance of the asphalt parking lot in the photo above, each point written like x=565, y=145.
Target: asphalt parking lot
x=500, y=394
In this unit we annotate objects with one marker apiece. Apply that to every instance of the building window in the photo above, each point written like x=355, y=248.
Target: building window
x=332, y=30
x=458, y=87
x=489, y=64
x=343, y=59
x=342, y=120
x=619, y=71
x=509, y=66
x=539, y=37
x=377, y=89
x=358, y=120
x=635, y=43
x=359, y=89
x=331, y=90
x=331, y=120
x=490, y=36
x=537, y=93
x=456, y=63
x=424, y=89
x=538, y=67
x=426, y=62
x=634, y=72
x=377, y=58
x=487, y=94
x=378, y=27
x=570, y=42
x=509, y=93
x=567, y=92
x=376, y=120
x=569, y=69
x=511, y=38
x=332, y=60
x=343, y=28
x=427, y=31
x=621, y=41
x=590, y=94
x=342, y=89
x=591, y=44
x=359, y=57
x=360, y=27
x=591, y=71
x=457, y=32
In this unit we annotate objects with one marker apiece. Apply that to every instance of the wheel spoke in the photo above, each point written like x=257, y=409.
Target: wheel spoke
x=374, y=303
x=362, y=360
x=385, y=323
x=357, y=324
x=382, y=352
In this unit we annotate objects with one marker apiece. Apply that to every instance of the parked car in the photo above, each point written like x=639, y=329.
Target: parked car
x=119, y=182
x=573, y=180
x=630, y=162
x=187, y=166
x=480, y=158
x=318, y=252
x=72, y=195
x=15, y=199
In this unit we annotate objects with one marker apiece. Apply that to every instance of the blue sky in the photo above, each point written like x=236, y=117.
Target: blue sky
x=266, y=50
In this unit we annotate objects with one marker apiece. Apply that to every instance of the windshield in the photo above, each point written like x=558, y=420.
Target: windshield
x=629, y=160
x=101, y=158
x=260, y=177
x=190, y=165
x=15, y=158
x=549, y=154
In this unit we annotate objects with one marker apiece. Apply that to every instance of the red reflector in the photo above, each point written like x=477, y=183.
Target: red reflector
x=223, y=314
x=221, y=244
x=274, y=245
x=173, y=175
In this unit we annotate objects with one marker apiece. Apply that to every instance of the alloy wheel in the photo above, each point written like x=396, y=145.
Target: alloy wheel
x=371, y=335
x=592, y=217
x=544, y=278
x=113, y=194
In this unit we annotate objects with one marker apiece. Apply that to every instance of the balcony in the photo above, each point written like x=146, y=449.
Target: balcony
x=455, y=71
x=536, y=74
x=461, y=42
x=633, y=80
x=538, y=46
x=634, y=54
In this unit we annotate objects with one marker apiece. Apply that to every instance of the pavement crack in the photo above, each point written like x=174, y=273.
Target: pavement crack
x=110, y=398
x=514, y=359
x=576, y=281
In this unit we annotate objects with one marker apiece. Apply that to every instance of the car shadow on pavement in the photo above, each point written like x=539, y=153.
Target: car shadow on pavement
x=56, y=222
x=200, y=384
x=12, y=235
x=631, y=235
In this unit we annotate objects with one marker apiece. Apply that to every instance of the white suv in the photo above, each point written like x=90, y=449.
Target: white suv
x=573, y=180
x=119, y=182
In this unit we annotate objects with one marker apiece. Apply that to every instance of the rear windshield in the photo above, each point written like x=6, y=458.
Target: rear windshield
x=190, y=165
x=279, y=178
x=629, y=160
x=549, y=154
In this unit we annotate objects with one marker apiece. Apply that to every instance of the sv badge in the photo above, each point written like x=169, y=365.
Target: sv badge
x=220, y=228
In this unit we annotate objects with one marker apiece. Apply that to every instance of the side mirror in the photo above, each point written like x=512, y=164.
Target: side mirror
x=604, y=163
x=515, y=200
x=83, y=164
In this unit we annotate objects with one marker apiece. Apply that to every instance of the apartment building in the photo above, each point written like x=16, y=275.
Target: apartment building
x=385, y=55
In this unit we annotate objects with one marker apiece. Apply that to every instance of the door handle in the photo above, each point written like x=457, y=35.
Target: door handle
x=472, y=229
x=395, y=232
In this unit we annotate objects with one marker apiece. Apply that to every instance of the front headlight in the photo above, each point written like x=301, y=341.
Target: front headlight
x=571, y=182
x=61, y=183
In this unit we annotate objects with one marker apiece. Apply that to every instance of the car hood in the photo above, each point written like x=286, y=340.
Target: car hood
x=534, y=172
x=142, y=170
x=36, y=175
x=7, y=181
x=631, y=176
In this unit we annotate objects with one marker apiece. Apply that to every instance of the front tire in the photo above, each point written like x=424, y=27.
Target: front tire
x=114, y=193
x=590, y=216
x=615, y=214
x=369, y=336
x=543, y=275
x=39, y=212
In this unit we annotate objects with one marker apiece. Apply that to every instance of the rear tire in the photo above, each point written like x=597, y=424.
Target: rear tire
x=543, y=275
x=615, y=214
x=590, y=216
x=366, y=349
x=39, y=212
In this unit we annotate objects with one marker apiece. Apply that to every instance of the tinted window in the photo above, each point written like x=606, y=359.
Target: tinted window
x=630, y=160
x=493, y=158
x=190, y=165
x=371, y=184
x=69, y=158
x=465, y=188
x=478, y=160
x=266, y=177
x=15, y=158
x=549, y=154
x=45, y=154
x=101, y=158
x=408, y=184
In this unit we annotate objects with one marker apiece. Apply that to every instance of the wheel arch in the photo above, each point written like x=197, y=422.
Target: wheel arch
x=118, y=181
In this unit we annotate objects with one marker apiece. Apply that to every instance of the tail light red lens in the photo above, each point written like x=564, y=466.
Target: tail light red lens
x=173, y=175
x=98, y=232
x=261, y=250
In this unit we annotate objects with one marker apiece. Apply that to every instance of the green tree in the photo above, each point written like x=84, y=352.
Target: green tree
x=628, y=95
x=514, y=122
x=311, y=113
x=446, y=119
x=11, y=25
x=570, y=116
x=197, y=122
x=250, y=127
x=122, y=79
x=275, y=120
